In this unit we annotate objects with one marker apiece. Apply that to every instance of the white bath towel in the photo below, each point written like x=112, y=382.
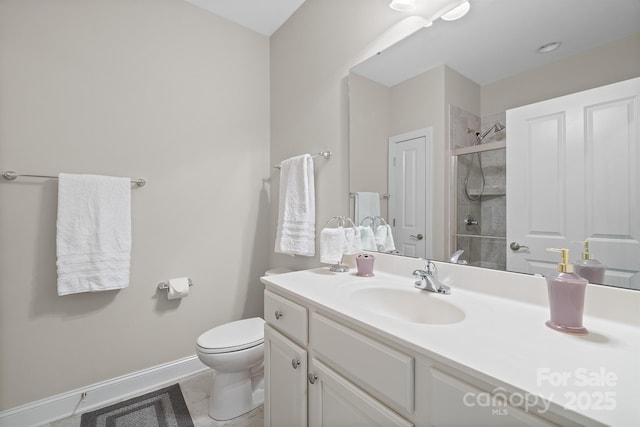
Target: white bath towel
x=332, y=244
x=366, y=204
x=384, y=238
x=367, y=238
x=93, y=239
x=352, y=241
x=296, y=229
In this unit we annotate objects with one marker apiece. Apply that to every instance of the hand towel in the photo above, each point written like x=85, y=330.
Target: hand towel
x=352, y=241
x=93, y=234
x=296, y=229
x=384, y=238
x=366, y=204
x=332, y=244
x=367, y=238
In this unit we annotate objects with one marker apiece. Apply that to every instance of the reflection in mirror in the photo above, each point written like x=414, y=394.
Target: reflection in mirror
x=437, y=79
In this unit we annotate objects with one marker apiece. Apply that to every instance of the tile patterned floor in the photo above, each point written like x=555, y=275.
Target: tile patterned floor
x=196, y=394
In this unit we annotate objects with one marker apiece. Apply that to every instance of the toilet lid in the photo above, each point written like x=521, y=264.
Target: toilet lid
x=232, y=336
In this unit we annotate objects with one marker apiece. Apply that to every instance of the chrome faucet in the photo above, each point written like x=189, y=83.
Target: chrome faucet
x=429, y=279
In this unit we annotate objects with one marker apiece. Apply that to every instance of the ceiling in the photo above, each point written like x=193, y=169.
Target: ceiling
x=496, y=39
x=262, y=16
x=499, y=38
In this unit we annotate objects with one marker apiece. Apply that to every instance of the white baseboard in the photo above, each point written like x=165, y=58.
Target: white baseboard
x=100, y=394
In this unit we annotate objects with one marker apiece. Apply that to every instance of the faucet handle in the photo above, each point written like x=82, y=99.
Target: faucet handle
x=420, y=273
x=430, y=267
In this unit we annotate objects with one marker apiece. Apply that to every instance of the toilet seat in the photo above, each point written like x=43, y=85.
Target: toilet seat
x=233, y=336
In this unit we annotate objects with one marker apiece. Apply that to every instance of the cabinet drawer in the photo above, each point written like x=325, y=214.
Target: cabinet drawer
x=383, y=371
x=286, y=316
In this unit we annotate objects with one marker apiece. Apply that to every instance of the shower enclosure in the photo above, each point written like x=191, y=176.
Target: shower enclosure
x=479, y=185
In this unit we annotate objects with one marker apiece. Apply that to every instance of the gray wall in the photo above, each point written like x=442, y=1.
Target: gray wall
x=311, y=55
x=157, y=89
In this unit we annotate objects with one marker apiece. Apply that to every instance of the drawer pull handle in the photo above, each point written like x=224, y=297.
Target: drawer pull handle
x=279, y=314
x=295, y=363
x=312, y=377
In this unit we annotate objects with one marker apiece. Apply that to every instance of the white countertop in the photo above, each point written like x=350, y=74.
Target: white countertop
x=503, y=334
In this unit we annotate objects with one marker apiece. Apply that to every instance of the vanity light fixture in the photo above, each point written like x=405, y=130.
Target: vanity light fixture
x=403, y=5
x=457, y=12
x=549, y=47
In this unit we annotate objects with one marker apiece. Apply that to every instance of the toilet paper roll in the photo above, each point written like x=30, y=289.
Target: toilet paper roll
x=178, y=288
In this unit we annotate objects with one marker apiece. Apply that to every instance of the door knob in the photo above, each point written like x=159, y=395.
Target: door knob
x=312, y=377
x=295, y=363
x=418, y=237
x=517, y=246
x=278, y=314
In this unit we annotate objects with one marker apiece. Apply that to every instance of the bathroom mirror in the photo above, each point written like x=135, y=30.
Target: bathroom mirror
x=480, y=65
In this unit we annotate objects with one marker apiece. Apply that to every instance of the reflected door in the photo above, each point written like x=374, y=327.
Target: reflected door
x=573, y=175
x=410, y=202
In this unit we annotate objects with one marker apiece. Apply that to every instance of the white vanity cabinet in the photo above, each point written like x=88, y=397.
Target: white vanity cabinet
x=323, y=370
x=299, y=377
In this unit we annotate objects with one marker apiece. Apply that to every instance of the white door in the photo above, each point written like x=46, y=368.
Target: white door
x=285, y=380
x=410, y=184
x=573, y=175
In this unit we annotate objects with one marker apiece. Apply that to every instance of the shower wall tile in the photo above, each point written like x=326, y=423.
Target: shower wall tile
x=493, y=253
x=494, y=166
x=494, y=218
x=463, y=126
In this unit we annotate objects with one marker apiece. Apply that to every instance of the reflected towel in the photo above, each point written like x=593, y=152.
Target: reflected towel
x=352, y=241
x=93, y=233
x=296, y=229
x=367, y=238
x=332, y=244
x=366, y=204
x=384, y=238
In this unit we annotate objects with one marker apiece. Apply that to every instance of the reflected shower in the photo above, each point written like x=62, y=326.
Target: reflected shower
x=497, y=127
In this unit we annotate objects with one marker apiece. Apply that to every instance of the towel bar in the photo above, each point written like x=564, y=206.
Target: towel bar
x=325, y=154
x=382, y=196
x=12, y=175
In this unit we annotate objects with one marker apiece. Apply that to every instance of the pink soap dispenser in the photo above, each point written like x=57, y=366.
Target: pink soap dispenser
x=566, y=297
x=589, y=268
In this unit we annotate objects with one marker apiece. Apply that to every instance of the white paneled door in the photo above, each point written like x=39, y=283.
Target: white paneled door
x=574, y=174
x=410, y=183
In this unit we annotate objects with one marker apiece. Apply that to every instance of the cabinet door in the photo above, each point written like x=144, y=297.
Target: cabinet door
x=455, y=402
x=285, y=376
x=335, y=402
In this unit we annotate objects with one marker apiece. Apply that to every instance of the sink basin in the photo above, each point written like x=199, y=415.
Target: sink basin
x=409, y=305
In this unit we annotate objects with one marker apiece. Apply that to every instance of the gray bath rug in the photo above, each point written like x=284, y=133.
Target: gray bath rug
x=161, y=408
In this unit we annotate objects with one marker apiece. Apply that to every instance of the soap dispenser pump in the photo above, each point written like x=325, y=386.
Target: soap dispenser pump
x=566, y=297
x=589, y=268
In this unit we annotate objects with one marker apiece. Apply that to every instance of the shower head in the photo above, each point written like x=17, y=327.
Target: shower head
x=497, y=127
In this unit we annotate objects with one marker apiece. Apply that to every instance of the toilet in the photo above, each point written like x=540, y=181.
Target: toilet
x=235, y=351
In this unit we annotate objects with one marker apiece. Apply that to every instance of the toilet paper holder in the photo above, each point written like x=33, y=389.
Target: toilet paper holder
x=165, y=285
